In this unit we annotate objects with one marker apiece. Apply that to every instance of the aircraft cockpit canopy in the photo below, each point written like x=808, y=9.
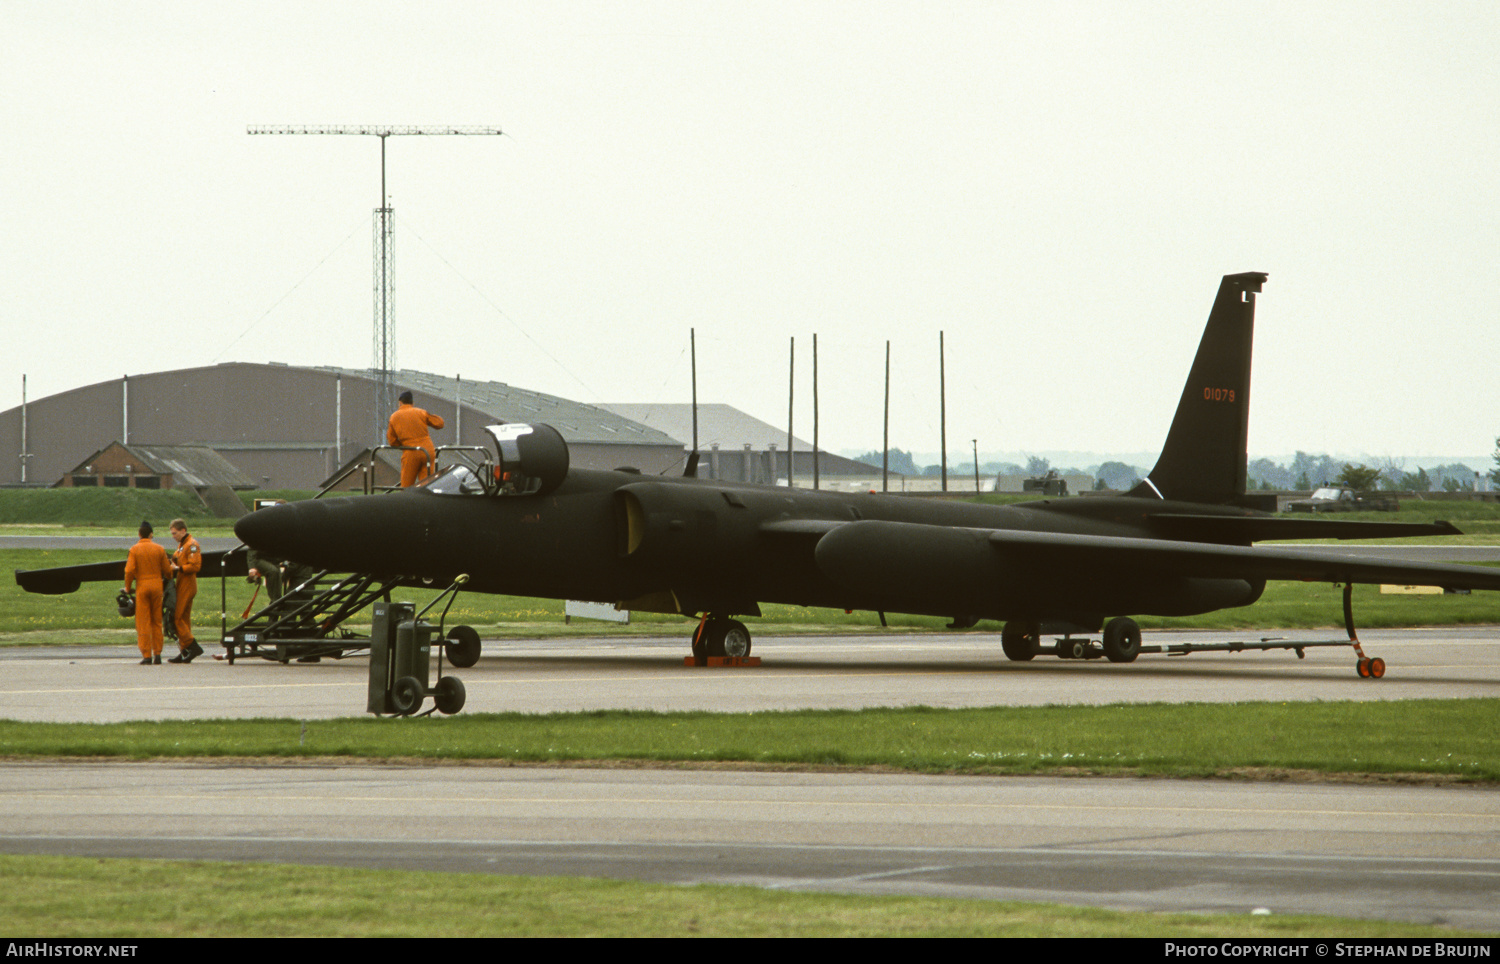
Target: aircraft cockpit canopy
x=455, y=480
x=533, y=459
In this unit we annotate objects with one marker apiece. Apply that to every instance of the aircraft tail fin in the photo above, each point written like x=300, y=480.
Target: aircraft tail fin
x=1204, y=457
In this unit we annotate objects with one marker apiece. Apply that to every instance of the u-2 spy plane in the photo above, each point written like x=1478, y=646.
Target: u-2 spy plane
x=1178, y=544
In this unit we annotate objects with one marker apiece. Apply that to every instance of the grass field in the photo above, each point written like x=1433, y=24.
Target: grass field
x=1451, y=740
x=84, y=897
x=64, y=897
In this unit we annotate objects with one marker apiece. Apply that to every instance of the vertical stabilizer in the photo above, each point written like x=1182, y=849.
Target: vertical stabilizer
x=1204, y=456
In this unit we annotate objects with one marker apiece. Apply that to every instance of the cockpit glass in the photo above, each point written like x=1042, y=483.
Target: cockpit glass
x=456, y=480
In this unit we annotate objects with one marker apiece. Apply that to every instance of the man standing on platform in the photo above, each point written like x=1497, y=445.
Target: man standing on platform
x=408, y=428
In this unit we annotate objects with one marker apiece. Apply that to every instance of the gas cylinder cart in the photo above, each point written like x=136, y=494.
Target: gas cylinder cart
x=401, y=657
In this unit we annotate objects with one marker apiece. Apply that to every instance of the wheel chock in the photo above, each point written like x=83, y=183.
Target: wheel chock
x=722, y=661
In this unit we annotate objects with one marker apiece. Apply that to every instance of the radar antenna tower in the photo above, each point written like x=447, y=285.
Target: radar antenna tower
x=385, y=335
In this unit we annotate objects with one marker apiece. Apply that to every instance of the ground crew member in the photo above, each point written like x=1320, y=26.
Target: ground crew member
x=408, y=427
x=149, y=568
x=187, y=561
x=266, y=570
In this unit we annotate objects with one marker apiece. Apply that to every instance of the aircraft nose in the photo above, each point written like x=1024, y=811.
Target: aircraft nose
x=271, y=530
x=361, y=534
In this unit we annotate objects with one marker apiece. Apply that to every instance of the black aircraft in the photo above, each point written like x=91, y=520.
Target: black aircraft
x=1179, y=543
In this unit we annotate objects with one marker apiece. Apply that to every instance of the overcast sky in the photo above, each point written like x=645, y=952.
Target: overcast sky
x=1057, y=186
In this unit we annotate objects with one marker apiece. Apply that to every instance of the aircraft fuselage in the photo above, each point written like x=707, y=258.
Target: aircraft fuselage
x=692, y=546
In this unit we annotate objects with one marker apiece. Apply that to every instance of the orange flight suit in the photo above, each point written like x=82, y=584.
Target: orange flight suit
x=187, y=561
x=149, y=566
x=408, y=426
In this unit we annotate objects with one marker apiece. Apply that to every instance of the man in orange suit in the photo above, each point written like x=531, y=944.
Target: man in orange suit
x=147, y=570
x=187, y=561
x=408, y=427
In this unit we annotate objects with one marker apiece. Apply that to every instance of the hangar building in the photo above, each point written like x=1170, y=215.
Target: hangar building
x=289, y=427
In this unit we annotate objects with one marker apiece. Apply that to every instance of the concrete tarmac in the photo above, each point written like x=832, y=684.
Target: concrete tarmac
x=1405, y=853
x=104, y=684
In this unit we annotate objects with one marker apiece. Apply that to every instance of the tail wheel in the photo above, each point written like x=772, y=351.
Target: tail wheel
x=1020, y=640
x=1122, y=640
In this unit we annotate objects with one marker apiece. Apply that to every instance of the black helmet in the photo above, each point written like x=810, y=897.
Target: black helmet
x=126, y=603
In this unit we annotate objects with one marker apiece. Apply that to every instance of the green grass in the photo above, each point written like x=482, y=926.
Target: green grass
x=70, y=897
x=99, y=507
x=1451, y=739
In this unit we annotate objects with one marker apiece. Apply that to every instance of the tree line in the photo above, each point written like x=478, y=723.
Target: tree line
x=1306, y=471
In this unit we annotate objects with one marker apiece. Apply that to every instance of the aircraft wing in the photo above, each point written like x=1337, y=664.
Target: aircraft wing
x=1247, y=529
x=865, y=551
x=65, y=579
x=1240, y=562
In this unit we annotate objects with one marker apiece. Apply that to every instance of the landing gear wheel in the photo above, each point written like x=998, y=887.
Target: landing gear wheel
x=736, y=639
x=462, y=647
x=1122, y=640
x=1020, y=640
x=407, y=695
x=721, y=637
x=449, y=694
x=1362, y=668
x=1377, y=668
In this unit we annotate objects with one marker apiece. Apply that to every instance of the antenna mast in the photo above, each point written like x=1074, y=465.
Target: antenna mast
x=385, y=333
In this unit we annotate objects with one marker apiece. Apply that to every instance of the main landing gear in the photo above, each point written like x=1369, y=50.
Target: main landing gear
x=717, y=636
x=1022, y=640
x=718, y=641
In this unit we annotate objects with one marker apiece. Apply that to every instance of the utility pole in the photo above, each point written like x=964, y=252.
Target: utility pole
x=943, y=409
x=791, y=385
x=385, y=334
x=885, y=435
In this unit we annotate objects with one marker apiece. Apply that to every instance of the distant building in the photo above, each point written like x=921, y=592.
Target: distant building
x=737, y=447
x=289, y=427
x=154, y=467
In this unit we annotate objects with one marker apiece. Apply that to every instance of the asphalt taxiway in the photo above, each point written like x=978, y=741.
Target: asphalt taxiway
x=1429, y=854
